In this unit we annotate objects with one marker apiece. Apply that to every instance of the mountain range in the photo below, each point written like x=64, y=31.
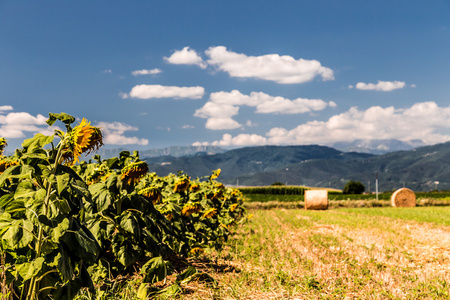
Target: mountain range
x=421, y=169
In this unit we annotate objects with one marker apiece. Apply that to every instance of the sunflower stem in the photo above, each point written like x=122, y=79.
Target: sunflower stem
x=33, y=291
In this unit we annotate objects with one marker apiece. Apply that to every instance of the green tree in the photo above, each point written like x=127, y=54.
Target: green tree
x=354, y=187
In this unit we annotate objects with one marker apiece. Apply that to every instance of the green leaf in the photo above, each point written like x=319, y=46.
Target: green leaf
x=60, y=229
x=187, y=273
x=65, y=266
x=62, y=181
x=130, y=224
x=29, y=269
x=21, y=171
x=6, y=199
x=19, y=234
x=200, y=277
x=101, y=196
x=63, y=117
x=156, y=269
x=37, y=142
x=126, y=252
x=170, y=291
x=24, y=190
x=82, y=243
x=142, y=291
x=15, y=206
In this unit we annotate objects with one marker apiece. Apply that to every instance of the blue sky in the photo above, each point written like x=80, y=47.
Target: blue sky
x=154, y=74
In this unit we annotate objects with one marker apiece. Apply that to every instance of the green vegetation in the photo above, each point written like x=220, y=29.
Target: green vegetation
x=68, y=228
x=273, y=190
x=295, y=193
x=354, y=188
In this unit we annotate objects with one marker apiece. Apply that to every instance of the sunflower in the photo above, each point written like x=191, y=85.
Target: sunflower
x=84, y=138
x=3, y=144
x=197, y=251
x=233, y=207
x=194, y=187
x=215, y=174
x=210, y=213
x=5, y=164
x=152, y=194
x=181, y=185
x=134, y=171
x=189, y=209
x=169, y=216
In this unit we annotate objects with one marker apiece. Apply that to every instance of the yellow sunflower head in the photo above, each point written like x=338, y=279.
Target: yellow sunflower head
x=181, y=185
x=215, y=174
x=84, y=138
x=152, y=194
x=197, y=251
x=5, y=164
x=194, y=187
x=190, y=208
x=132, y=173
x=233, y=207
x=210, y=213
x=3, y=145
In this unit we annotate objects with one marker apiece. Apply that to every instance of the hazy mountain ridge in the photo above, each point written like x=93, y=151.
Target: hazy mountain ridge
x=160, y=153
x=322, y=166
x=377, y=146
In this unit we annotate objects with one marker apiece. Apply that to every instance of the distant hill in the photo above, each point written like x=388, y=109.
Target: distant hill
x=314, y=165
x=174, y=151
x=417, y=169
x=377, y=146
x=248, y=161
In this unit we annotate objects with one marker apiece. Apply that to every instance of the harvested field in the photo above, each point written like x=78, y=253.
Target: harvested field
x=363, y=253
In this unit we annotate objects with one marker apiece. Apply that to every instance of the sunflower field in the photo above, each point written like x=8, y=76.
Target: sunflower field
x=68, y=225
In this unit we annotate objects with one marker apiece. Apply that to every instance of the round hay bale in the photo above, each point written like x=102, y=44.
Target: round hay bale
x=403, y=198
x=316, y=199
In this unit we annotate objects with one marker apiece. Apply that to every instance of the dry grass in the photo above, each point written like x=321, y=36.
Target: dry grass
x=335, y=254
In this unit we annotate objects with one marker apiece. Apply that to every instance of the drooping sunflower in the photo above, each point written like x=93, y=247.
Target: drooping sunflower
x=181, y=185
x=3, y=144
x=210, y=213
x=190, y=208
x=132, y=173
x=84, y=138
x=152, y=194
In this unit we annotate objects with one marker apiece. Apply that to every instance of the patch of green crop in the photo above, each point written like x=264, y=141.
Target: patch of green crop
x=429, y=214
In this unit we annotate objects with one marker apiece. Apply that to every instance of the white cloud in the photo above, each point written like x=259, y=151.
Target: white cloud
x=281, y=69
x=422, y=121
x=114, y=134
x=186, y=56
x=123, y=95
x=221, y=123
x=5, y=108
x=226, y=105
x=108, y=71
x=218, y=110
x=146, y=72
x=425, y=121
x=381, y=86
x=187, y=126
x=145, y=91
x=241, y=140
x=17, y=124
